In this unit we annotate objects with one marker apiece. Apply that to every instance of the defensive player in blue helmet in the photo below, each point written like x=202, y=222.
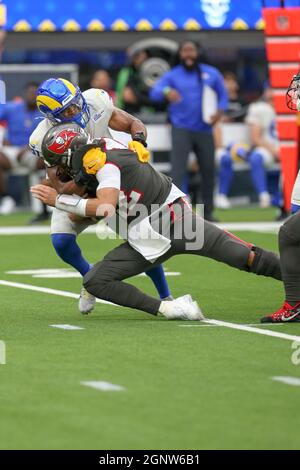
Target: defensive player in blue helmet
x=93, y=110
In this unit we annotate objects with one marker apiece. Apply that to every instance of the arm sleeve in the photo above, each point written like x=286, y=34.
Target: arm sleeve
x=109, y=177
x=221, y=91
x=157, y=92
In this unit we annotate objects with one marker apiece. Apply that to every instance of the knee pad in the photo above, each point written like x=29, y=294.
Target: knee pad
x=266, y=263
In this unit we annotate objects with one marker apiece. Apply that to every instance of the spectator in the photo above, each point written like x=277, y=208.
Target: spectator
x=101, y=79
x=261, y=119
x=235, y=112
x=237, y=108
x=20, y=118
x=132, y=92
x=262, y=152
x=197, y=99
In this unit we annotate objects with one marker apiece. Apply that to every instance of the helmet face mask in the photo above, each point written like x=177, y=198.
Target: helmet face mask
x=56, y=95
x=81, y=117
x=60, y=142
x=293, y=93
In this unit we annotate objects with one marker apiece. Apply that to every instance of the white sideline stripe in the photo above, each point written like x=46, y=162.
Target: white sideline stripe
x=267, y=227
x=104, y=386
x=234, y=326
x=242, y=324
x=67, y=327
x=46, y=290
x=65, y=273
x=251, y=329
x=288, y=380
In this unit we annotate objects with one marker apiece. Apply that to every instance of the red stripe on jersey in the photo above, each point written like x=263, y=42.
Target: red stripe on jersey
x=250, y=245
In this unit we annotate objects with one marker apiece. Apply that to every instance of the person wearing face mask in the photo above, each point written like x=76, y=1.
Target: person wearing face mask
x=197, y=99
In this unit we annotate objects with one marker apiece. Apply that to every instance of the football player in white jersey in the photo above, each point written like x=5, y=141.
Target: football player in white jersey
x=289, y=239
x=261, y=118
x=60, y=101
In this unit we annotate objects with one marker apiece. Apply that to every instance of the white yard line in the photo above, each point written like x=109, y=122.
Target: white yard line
x=295, y=381
x=67, y=327
x=64, y=273
x=104, y=386
x=252, y=329
x=46, y=290
x=266, y=227
x=233, y=326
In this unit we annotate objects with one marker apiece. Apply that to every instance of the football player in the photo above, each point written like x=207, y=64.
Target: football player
x=159, y=223
x=61, y=102
x=289, y=239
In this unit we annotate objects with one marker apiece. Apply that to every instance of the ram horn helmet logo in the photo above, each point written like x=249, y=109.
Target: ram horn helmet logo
x=215, y=11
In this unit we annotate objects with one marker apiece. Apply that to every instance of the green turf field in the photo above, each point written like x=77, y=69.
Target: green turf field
x=203, y=387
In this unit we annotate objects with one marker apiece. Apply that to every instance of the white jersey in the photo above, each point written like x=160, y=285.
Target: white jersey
x=296, y=191
x=262, y=114
x=101, y=108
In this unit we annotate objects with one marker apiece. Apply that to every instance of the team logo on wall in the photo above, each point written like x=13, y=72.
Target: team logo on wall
x=282, y=22
x=215, y=11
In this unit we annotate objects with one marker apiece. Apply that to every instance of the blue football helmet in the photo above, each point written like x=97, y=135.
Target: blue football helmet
x=55, y=95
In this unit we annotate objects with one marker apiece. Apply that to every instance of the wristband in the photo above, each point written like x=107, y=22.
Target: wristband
x=140, y=137
x=73, y=204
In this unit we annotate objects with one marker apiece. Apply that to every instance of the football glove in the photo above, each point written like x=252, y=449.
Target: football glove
x=138, y=145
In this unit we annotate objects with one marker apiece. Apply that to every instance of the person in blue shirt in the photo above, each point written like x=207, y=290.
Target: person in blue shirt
x=197, y=99
x=20, y=118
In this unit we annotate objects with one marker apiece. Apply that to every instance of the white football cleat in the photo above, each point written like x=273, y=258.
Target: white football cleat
x=183, y=308
x=222, y=202
x=8, y=205
x=86, y=302
x=264, y=200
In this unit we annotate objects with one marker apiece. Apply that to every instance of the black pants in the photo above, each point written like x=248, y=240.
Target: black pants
x=106, y=278
x=202, y=143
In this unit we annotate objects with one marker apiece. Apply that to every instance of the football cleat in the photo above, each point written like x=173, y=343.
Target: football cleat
x=168, y=298
x=8, y=205
x=222, y=202
x=86, y=302
x=287, y=313
x=182, y=308
x=264, y=200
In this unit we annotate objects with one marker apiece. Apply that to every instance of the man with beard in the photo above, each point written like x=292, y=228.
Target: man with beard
x=197, y=98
